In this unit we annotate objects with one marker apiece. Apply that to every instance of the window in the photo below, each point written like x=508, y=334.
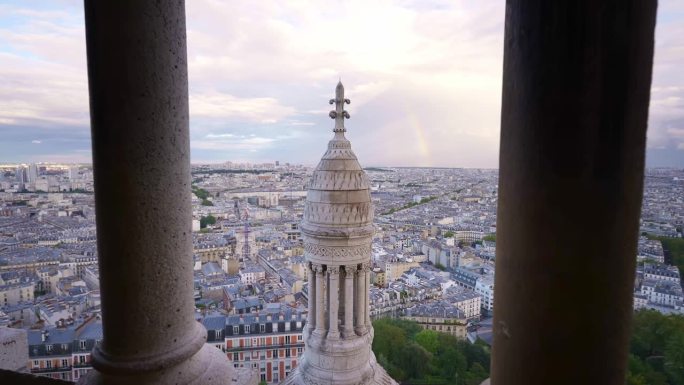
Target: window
x=287, y=326
x=218, y=333
x=262, y=328
x=48, y=348
x=236, y=330
x=48, y=364
x=82, y=344
x=246, y=329
x=65, y=363
x=36, y=363
x=287, y=340
x=263, y=341
x=236, y=356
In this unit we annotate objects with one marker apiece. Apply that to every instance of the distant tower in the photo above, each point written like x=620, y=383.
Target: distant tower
x=20, y=175
x=73, y=173
x=32, y=173
x=337, y=229
x=246, y=251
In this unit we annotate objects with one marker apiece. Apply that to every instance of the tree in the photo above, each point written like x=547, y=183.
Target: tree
x=429, y=340
x=449, y=234
x=674, y=358
x=489, y=237
x=208, y=220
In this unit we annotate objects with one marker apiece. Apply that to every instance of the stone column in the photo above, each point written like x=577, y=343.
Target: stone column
x=334, y=303
x=311, y=318
x=137, y=76
x=359, y=302
x=320, y=294
x=366, y=295
x=349, y=300
x=576, y=85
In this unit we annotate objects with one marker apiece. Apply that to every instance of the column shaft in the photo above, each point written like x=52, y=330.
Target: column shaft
x=349, y=300
x=576, y=86
x=141, y=155
x=311, y=318
x=366, y=293
x=334, y=303
x=138, y=84
x=359, y=302
x=320, y=294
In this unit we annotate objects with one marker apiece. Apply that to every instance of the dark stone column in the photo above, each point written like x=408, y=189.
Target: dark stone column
x=137, y=72
x=576, y=85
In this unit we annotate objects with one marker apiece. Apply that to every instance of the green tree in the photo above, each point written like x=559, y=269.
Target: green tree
x=208, y=220
x=674, y=358
x=489, y=237
x=429, y=340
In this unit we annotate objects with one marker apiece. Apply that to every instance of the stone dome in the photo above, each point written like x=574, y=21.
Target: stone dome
x=338, y=201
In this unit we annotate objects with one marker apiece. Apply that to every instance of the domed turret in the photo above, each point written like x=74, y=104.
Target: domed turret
x=337, y=230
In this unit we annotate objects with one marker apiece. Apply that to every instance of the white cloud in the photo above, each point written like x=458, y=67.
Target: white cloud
x=424, y=78
x=36, y=142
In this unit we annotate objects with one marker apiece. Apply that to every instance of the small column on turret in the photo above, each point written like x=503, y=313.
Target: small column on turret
x=333, y=330
x=349, y=300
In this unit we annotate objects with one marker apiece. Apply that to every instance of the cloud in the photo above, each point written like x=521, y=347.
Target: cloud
x=36, y=142
x=424, y=79
x=225, y=106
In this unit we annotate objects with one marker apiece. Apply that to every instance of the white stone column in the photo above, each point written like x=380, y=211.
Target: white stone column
x=320, y=294
x=366, y=294
x=359, y=302
x=311, y=318
x=334, y=302
x=349, y=300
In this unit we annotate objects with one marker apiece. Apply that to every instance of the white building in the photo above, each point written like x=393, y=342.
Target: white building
x=485, y=287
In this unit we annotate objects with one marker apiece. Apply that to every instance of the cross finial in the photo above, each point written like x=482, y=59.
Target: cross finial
x=339, y=114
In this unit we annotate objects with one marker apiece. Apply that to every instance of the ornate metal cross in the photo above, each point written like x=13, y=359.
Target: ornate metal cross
x=339, y=114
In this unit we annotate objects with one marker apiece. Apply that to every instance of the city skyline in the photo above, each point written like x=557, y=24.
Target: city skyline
x=418, y=73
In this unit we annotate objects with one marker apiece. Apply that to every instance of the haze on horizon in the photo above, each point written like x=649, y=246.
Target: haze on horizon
x=424, y=79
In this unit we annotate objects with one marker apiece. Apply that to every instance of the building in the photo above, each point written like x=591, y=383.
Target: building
x=395, y=268
x=467, y=302
x=270, y=342
x=485, y=288
x=440, y=316
x=337, y=230
x=33, y=173
x=63, y=353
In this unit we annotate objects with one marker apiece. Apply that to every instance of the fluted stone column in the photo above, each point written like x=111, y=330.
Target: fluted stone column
x=311, y=318
x=349, y=300
x=333, y=305
x=320, y=294
x=359, y=302
x=576, y=84
x=137, y=75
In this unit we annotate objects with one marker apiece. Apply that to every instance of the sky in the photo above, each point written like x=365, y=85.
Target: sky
x=423, y=76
